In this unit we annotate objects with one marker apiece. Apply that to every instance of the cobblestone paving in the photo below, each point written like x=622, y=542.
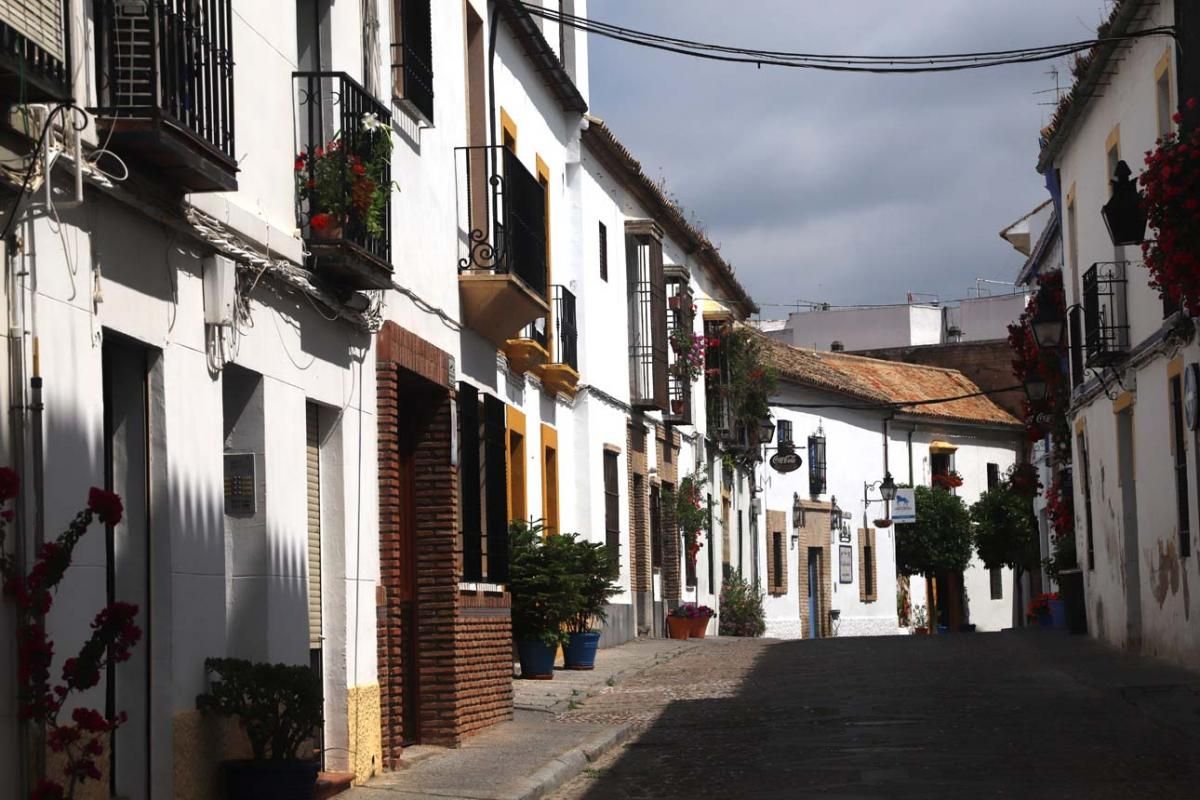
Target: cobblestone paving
x=1026, y=714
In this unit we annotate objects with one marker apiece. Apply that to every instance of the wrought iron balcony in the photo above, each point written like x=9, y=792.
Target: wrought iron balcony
x=1105, y=320
x=502, y=237
x=343, y=179
x=561, y=372
x=34, y=51
x=680, y=321
x=721, y=423
x=165, y=87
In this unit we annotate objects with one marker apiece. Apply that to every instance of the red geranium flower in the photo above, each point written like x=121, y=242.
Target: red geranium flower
x=320, y=222
x=106, y=505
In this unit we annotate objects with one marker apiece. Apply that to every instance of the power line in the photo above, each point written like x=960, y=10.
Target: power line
x=899, y=64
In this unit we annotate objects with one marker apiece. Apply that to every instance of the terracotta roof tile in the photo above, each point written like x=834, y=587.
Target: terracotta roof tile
x=876, y=381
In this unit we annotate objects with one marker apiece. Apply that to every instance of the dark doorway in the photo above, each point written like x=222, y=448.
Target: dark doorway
x=405, y=587
x=127, y=453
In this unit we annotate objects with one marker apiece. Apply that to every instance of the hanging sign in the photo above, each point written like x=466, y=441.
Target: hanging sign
x=786, y=461
x=904, y=507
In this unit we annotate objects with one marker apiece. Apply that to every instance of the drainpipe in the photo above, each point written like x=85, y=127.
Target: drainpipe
x=911, y=431
x=16, y=389
x=494, y=22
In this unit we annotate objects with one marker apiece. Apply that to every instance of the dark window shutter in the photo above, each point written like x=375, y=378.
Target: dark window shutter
x=525, y=223
x=612, y=511
x=658, y=322
x=494, y=436
x=412, y=54
x=469, y=482
x=993, y=475
x=603, y=252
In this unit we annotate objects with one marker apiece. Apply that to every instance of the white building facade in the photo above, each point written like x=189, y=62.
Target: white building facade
x=1135, y=461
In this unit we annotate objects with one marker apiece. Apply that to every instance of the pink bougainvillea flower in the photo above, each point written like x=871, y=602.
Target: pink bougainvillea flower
x=106, y=505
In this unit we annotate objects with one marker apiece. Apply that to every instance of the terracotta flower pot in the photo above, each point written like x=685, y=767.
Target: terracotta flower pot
x=678, y=627
x=698, y=627
x=676, y=406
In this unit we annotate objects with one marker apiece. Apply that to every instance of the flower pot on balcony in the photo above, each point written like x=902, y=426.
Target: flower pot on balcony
x=580, y=652
x=537, y=659
x=677, y=407
x=679, y=627
x=675, y=301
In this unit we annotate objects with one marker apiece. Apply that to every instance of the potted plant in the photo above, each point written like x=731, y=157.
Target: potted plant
x=344, y=185
x=1039, y=609
x=679, y=624
x=920, y=620
x=689, y=349
x=592, y=572
x=544, y=596
x=741, y=607
x=947, y=481
x=697, y=617
x=279, y=708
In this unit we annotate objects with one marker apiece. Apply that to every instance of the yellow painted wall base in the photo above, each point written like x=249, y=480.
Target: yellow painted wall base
x=201, y=743
x=365, y=718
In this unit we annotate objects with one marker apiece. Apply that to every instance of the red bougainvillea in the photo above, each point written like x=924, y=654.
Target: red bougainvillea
x=1048, y=416
x=1171, y=197
x=113, y=636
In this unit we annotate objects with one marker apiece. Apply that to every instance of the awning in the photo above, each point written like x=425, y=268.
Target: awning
x=939, y=446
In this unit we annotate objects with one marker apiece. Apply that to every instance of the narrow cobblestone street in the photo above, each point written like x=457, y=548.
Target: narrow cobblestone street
x=1030, y=715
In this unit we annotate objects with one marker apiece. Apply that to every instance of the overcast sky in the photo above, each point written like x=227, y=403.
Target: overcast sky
x=841, y=188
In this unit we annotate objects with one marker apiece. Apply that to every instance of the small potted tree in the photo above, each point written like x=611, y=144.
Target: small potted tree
x=592, y=570
x=544, y=596
x=279, y=708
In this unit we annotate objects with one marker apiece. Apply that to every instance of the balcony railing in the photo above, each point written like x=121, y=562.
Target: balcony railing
x=343, y=178
x=505, y=214
x=165, y=69
x=566, y=331
x=721, y=423
x=680, y=320
x=1105, y=323
x=34, y=51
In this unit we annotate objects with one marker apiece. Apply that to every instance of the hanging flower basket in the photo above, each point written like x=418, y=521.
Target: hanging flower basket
x=1171, y=199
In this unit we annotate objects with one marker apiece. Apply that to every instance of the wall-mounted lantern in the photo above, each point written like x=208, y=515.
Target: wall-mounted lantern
x=1123, y=214
x=1048, y=326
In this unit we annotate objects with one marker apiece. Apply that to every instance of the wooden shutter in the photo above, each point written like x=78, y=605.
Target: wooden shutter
x=412, y=54
x=866, y=565
x=496, y=488
x=603, y=252
x=658, y=322
x=312, y=451
x=469, y=482
x=612, y=510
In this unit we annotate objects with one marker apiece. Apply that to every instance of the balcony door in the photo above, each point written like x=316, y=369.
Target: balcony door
x=313, y=47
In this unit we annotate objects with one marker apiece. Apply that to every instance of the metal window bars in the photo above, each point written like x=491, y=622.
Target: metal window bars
x=561, y=329
x=341, y=165
x=35, y=49
x=716, y=374
x=412, y=56
x=1105, y=322
x=680, y=320
x=170, y=60
x=502, y=216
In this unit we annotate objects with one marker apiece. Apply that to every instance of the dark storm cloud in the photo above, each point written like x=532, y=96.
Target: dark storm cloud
x=846, y=188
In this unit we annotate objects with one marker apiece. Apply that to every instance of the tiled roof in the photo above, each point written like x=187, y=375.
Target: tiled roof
x=529, y=34
x=873, y=380
x=600, y=139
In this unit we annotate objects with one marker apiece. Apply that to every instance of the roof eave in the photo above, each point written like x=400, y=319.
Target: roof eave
x=1086, y=84
x=542, y=55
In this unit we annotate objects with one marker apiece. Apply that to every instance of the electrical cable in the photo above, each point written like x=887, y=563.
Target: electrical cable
x=944, y=62
x=33, y=164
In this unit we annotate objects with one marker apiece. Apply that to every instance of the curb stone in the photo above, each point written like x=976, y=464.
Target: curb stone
x=571, y=763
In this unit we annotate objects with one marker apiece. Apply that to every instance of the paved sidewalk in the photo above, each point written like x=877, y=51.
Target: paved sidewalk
x=571, y=686
x=538, y=750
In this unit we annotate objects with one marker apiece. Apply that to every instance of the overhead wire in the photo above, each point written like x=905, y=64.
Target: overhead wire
x=882, y=64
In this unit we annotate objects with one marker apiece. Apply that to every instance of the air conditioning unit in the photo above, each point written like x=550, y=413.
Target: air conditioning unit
x=133, y=56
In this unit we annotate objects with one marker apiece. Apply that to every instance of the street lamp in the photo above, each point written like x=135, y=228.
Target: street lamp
x=1036, y=388
x=766, y=430
x=835, y=513
x=1123, y=214
x=1049, y=329
x=887, y=489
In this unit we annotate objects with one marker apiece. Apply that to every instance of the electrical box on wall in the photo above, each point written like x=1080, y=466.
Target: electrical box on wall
x=220, y=281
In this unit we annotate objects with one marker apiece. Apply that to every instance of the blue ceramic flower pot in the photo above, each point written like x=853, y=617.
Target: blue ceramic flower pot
x=580, y=652
x=537, y=659
x=1058, y=614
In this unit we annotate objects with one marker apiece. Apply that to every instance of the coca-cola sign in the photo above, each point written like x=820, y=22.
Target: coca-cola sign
x=786, y=461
